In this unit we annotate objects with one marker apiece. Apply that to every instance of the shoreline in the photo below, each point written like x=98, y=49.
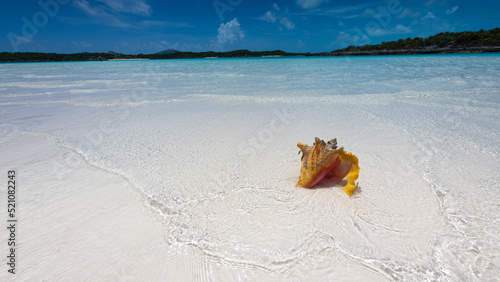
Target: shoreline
x=31, y=57
x=131, y=59
x=324, y=54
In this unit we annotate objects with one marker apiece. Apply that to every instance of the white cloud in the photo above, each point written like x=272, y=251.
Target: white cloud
x=432, y=2
x=268, y=17
x=276, y=7
x=398, y=29
x=137, y=7
x=308, y=4
x=111, y=13
x=345, y=12
x=108, y=7
x=287, y=23
x=428, y=16
x=16, y=40
x=408, y=13
x=24, y=39
x=283, y=21
x=100, y=15
x=345, y=39
x=368, y=13
x=87, y=8
x=229, y=33
x=401, y=29
x=452, y=10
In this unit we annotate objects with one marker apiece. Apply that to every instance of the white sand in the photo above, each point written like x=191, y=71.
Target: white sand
x=201, y=186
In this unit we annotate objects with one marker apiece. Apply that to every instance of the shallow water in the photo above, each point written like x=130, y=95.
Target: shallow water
x=210, y=147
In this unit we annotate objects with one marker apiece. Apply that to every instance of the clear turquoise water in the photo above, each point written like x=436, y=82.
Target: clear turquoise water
x=209, y=145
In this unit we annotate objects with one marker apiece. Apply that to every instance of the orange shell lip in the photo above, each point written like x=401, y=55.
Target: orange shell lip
x=325, y=160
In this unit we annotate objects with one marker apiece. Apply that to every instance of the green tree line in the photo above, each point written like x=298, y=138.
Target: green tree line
x=53, y=57
x=444, y=40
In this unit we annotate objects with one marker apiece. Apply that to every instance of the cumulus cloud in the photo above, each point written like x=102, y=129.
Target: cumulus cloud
x=308, y=4
x=452, y=10
x=276, y=7
x=345, y=39
x=401, y=29
x=229, y=33
x=428, y=16
x=268, y=17
x=287, y=23
x=282, y=22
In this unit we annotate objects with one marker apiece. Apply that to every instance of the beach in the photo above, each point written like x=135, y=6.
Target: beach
x=185, y=170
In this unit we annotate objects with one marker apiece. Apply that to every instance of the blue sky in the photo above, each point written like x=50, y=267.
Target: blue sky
x=149, y=26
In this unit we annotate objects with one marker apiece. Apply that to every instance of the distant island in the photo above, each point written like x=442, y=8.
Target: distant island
x=54, y=57
x=446, y=42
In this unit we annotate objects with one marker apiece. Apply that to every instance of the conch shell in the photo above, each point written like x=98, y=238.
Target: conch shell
x=324, y=160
